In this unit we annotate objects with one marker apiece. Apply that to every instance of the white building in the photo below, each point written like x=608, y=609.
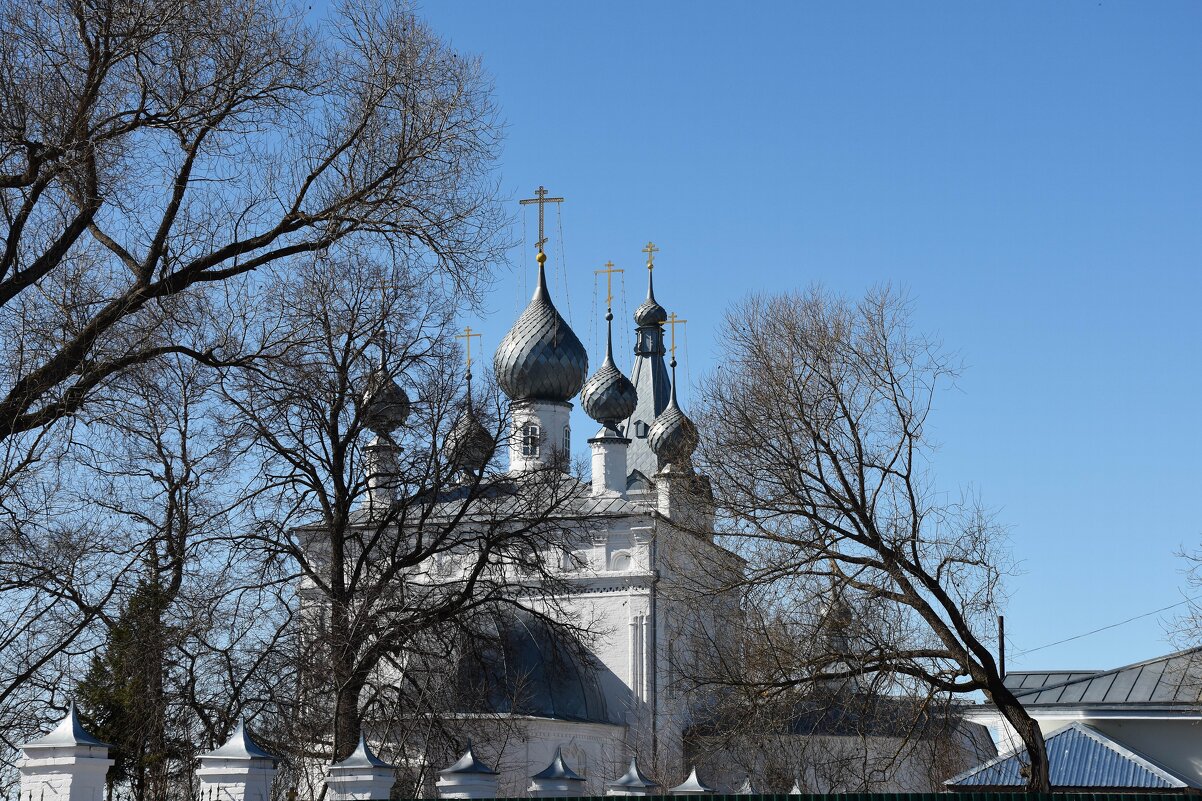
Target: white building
x=639, y=566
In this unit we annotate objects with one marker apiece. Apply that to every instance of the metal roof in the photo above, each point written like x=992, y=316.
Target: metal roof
x=240, y=745
x=1078, y=756
x=68, y=732
x=1172, y=679
x=362, y=757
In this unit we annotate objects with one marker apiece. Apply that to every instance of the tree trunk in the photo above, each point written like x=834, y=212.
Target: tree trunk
x=1028, y=730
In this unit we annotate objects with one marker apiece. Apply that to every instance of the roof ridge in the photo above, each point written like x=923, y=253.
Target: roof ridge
x=1101, y=738
x=1024, y=691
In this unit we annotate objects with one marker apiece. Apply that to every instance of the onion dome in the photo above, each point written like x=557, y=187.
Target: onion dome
x=385, y=404
x=469, y=444
x=673, y=436
x=540, y=358
x=649, y=311
x=608, y=396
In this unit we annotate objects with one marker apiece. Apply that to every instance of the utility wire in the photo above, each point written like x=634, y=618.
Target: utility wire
x=1104, y=628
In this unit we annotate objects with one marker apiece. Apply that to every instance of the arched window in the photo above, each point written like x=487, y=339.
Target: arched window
x=620, y=560
x=531, y=437
x=567, y=439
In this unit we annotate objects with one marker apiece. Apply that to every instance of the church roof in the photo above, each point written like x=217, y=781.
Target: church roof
x=525, y=667
x=1079, y=756
x=1174, y=679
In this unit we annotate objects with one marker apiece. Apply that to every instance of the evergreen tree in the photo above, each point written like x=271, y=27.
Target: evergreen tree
x=122, y=694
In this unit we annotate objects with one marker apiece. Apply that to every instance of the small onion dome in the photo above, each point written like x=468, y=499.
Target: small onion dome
x=540, y=358
x=608, y=396
x=649, y=311
x=469, y=444
x=385, y=404
x=673, y=436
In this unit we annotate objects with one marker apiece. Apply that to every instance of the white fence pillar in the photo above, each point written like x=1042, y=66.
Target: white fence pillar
x=68, y=764
x=362, y=776
x=556, y=780
x=468, y=778
x=633, y=782
x=238, y=771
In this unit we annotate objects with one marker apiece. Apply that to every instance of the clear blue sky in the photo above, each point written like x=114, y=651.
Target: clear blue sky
x=1030, y=172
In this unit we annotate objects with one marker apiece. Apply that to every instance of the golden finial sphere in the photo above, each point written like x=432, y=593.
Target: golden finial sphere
x=541, y=258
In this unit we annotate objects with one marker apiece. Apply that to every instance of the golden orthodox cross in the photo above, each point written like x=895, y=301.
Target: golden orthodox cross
x=467, y=337
x=650, y=250
x=540, y=197
x=674, y=321
x=609, y=277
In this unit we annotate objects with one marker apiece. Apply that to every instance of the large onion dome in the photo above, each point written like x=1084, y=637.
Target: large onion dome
x=540, y=358
x=469, y=444
x=673, y=436
x=649, y=311
x=385, y=404
x=608, y=396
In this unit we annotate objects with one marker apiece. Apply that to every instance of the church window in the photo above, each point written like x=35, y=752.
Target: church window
x=640, y=429
x=530, y=439
x=567, y=439
x=620, y=560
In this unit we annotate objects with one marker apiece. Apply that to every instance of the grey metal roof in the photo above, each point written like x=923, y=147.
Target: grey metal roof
x=240, y=745
x=1078, y=756
x=1166, y=680
x=558, y=769
x=362, y=757
x=540, y=358
x=68, y=732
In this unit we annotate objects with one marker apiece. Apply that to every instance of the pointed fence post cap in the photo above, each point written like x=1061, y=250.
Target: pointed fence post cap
x=68, y=732
x=468, y=763
x=692, y=786
x=362, y=757
x=796, y=788
x=633, y=778
x=746, y=788
x=558, y=769
x=240, y=745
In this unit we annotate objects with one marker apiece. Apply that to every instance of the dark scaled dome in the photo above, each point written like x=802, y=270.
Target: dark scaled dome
x=385, y=404
x=608, y=396
x=540, y=358
x=469, y=444
x=649, y=311
x=673, y=436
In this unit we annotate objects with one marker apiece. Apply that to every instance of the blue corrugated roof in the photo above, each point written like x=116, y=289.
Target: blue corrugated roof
x=1078, y=756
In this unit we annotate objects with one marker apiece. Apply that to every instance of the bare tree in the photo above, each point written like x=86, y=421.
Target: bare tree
x=389, y=514
x=151, y=148
x=814, y=432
